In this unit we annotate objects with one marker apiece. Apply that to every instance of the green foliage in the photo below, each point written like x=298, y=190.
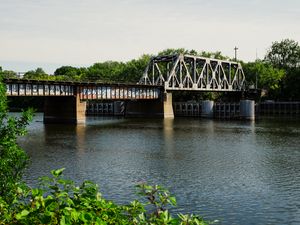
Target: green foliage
x=134, y=69
x=172, y=51
x=284, y=54
x=8, y=74
x=112, y=71
x=70, y=73
x=267, y=76
x=38, y=74
x=291, y=84
x=13, y=158
x=59, y=201
x=106, y=71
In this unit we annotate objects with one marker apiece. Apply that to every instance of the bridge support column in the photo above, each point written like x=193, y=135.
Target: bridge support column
x=207, y=109
x=64, y=109
x=168, y=106
x=247, y=109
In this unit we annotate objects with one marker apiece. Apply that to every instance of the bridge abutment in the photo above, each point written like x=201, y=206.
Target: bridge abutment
x=64, y=109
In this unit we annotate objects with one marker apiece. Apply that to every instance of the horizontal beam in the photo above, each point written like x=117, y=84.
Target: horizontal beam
x=72, y=83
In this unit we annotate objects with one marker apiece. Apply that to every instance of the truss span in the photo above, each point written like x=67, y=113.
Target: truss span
x=187, y=72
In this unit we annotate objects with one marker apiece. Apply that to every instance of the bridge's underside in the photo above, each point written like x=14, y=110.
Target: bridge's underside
x=193, y=73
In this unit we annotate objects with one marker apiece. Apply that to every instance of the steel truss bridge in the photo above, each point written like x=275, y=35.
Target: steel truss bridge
x=84, y=90
x=194, y=73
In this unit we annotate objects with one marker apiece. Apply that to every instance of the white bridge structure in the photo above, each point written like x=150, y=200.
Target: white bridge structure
x=194, y=73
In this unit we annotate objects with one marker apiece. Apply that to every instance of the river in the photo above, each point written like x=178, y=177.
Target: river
x=233, y=171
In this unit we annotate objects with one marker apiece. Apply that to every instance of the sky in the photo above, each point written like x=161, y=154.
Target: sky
x=52, y=33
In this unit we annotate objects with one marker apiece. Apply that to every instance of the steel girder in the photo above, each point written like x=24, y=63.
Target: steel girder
x=85, y=90
x=188, y=72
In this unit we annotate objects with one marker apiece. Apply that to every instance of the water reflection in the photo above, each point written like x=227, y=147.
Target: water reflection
x=168, y=135
x=237, y=172
x=80, y=138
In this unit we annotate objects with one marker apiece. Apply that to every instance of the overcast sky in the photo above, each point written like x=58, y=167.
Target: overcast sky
x=51, y=33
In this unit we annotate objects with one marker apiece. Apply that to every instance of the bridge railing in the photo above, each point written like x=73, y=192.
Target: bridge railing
x=85, y=90
x=39, y=90
x=118, y=92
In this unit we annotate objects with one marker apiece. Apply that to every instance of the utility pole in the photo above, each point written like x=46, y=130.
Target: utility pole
x=235, y=53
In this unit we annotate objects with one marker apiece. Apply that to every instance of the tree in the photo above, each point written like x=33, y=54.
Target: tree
x=173, y=51
x=134, y=69
x=38, y=74
x=284, y=54
x=105, y=71
x=291, y=85
x=267, y=76
x=214, y=55
x=13, y=158
x=8, y=74
x=70, y=72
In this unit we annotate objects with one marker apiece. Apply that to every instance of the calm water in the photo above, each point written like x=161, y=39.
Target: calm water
x=236, y=172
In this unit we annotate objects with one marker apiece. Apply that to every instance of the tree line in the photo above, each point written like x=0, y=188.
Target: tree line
x=278, y=73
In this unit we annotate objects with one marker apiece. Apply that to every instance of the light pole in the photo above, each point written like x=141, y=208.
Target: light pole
x=235, y=53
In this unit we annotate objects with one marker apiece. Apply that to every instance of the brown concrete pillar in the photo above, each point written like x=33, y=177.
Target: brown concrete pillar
x=64, y=109
x=168, y=107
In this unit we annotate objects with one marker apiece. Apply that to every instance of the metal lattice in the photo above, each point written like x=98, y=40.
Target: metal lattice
x=187, y=72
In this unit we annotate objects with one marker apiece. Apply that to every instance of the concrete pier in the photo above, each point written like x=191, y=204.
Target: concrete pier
x=168, y=106
x=247, y=110
x=68, y=109
x=207, y=109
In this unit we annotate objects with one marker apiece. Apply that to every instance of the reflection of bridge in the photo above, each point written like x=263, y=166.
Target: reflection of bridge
x=66, y=101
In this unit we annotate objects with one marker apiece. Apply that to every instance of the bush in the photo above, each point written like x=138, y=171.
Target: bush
x=59, y=201
x=13, y=158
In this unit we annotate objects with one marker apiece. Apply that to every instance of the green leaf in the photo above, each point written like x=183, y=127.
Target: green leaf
x=74, y=216
x=172, y=200
x=22, y=214
x=57, y=173
x=62, y=221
